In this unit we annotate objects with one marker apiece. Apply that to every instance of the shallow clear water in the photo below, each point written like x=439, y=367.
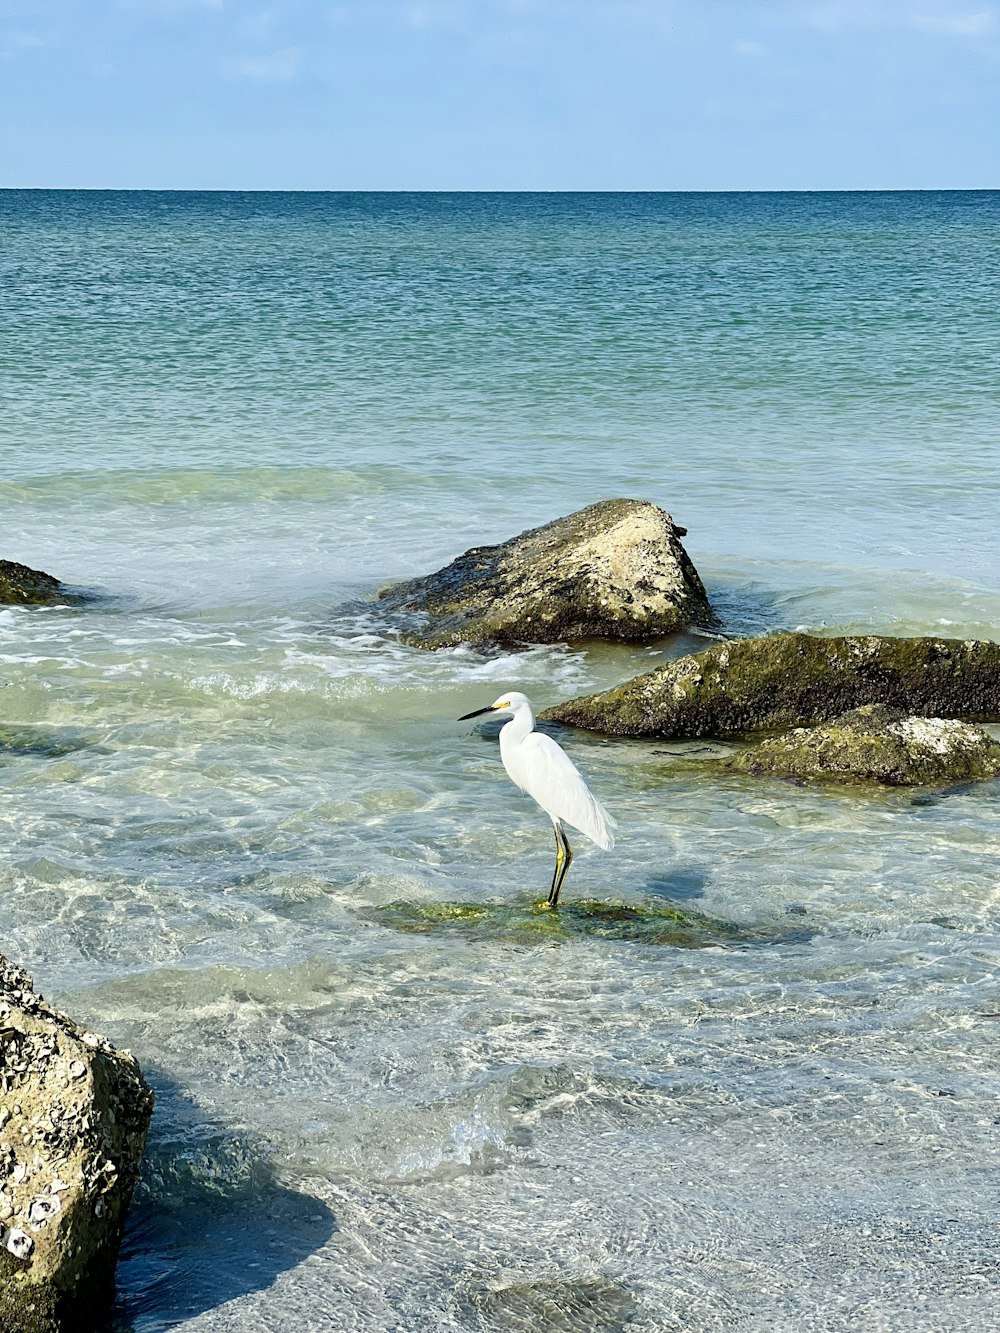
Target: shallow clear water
x=232, y=807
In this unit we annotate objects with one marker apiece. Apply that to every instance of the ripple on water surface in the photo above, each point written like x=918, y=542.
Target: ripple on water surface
x=244, y=835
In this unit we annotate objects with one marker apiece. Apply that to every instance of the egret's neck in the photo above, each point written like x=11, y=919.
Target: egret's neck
x=521, y=723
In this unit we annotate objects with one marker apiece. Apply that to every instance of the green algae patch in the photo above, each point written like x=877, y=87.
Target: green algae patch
x=795, y=680
x=878, y=745
x=523, y=923
x=527, y=923
x=666, y=924
x=29, y=1308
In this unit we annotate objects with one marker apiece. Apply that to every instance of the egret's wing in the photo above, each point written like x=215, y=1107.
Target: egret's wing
x=545, y=771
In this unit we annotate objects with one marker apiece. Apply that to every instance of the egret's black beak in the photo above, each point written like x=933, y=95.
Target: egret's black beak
x=478, y=713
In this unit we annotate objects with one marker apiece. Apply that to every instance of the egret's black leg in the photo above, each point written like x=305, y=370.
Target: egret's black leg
x=553, y=891
x=564, y=858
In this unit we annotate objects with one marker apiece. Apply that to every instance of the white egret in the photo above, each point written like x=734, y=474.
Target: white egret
x=542, y=769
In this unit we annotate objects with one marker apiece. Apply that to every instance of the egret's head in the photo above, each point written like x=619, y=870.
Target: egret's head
x=507, y=703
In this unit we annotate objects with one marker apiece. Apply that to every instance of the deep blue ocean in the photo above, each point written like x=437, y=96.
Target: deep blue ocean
x=235, y=808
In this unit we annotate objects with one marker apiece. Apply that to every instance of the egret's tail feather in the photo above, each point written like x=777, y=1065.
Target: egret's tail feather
x=601, y=832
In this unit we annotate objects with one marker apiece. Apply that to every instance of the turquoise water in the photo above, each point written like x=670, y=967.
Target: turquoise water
x=233, y=417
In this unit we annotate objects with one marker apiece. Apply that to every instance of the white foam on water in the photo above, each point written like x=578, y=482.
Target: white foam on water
x=474, y=1145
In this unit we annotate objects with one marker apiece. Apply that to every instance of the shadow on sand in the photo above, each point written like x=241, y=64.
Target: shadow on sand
x=684, y=882
x=210, y=1221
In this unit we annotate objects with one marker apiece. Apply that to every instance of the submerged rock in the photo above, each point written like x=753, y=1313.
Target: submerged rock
x=527, y=923
x=21, y=586
x=584, y=1304
x=793, y=680
x=614, y=570
x=876, y=744
x=73, y=1118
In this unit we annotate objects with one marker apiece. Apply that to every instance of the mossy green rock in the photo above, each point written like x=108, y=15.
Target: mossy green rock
x=73, y=1118
x=615, y=570
x=876, y=744
x=557, y=1305
x=21, y=586
x=795, y=680
x=536, y=923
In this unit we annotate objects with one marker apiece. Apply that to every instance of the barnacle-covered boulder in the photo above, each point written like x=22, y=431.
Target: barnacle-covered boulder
x=614, y=570
x=73, y=1118
x=795, y=680
x=875, y=744
x=22, y=586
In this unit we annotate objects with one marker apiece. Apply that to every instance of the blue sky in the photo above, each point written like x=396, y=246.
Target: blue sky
x=500, y=94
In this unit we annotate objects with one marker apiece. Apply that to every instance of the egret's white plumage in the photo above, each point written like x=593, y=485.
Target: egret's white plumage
x=542, y=769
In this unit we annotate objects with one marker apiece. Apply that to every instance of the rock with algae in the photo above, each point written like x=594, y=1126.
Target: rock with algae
x=876, y=744
x=794, y=680
x=614, y=570
x=558, y=1305
x=22, y=586
x=73, y=1118
x=527, y=923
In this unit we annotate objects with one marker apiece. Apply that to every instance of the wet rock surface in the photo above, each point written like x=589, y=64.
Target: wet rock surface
x=794, y=680
x=531, y=923
x=21, y=586
x=876, y=744
x=614, y=570
x=585, y=1305
x=73, y=1118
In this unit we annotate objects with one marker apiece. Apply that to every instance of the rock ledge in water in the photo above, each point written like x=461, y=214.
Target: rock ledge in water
x=876, y=744
x=795, y=680
x=614, y=570
x=21, y=586
x=73, y=1118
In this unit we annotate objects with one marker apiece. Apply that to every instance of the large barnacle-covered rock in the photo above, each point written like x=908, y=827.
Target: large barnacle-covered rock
x=73, y=1118
x=615, y=570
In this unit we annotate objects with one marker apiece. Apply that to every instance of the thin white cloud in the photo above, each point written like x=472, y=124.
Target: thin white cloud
x=435, y=14
x=943, y=17
x=832, y=18
x=275, y=67
x=259, y=24
x=750, y=49
x=13, y=44
x=978, y=24
x=166, y=8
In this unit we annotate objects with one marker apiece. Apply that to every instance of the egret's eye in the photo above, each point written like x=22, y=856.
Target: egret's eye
x=505, y=704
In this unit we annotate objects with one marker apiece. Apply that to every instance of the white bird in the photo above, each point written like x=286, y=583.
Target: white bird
x=540, y=767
